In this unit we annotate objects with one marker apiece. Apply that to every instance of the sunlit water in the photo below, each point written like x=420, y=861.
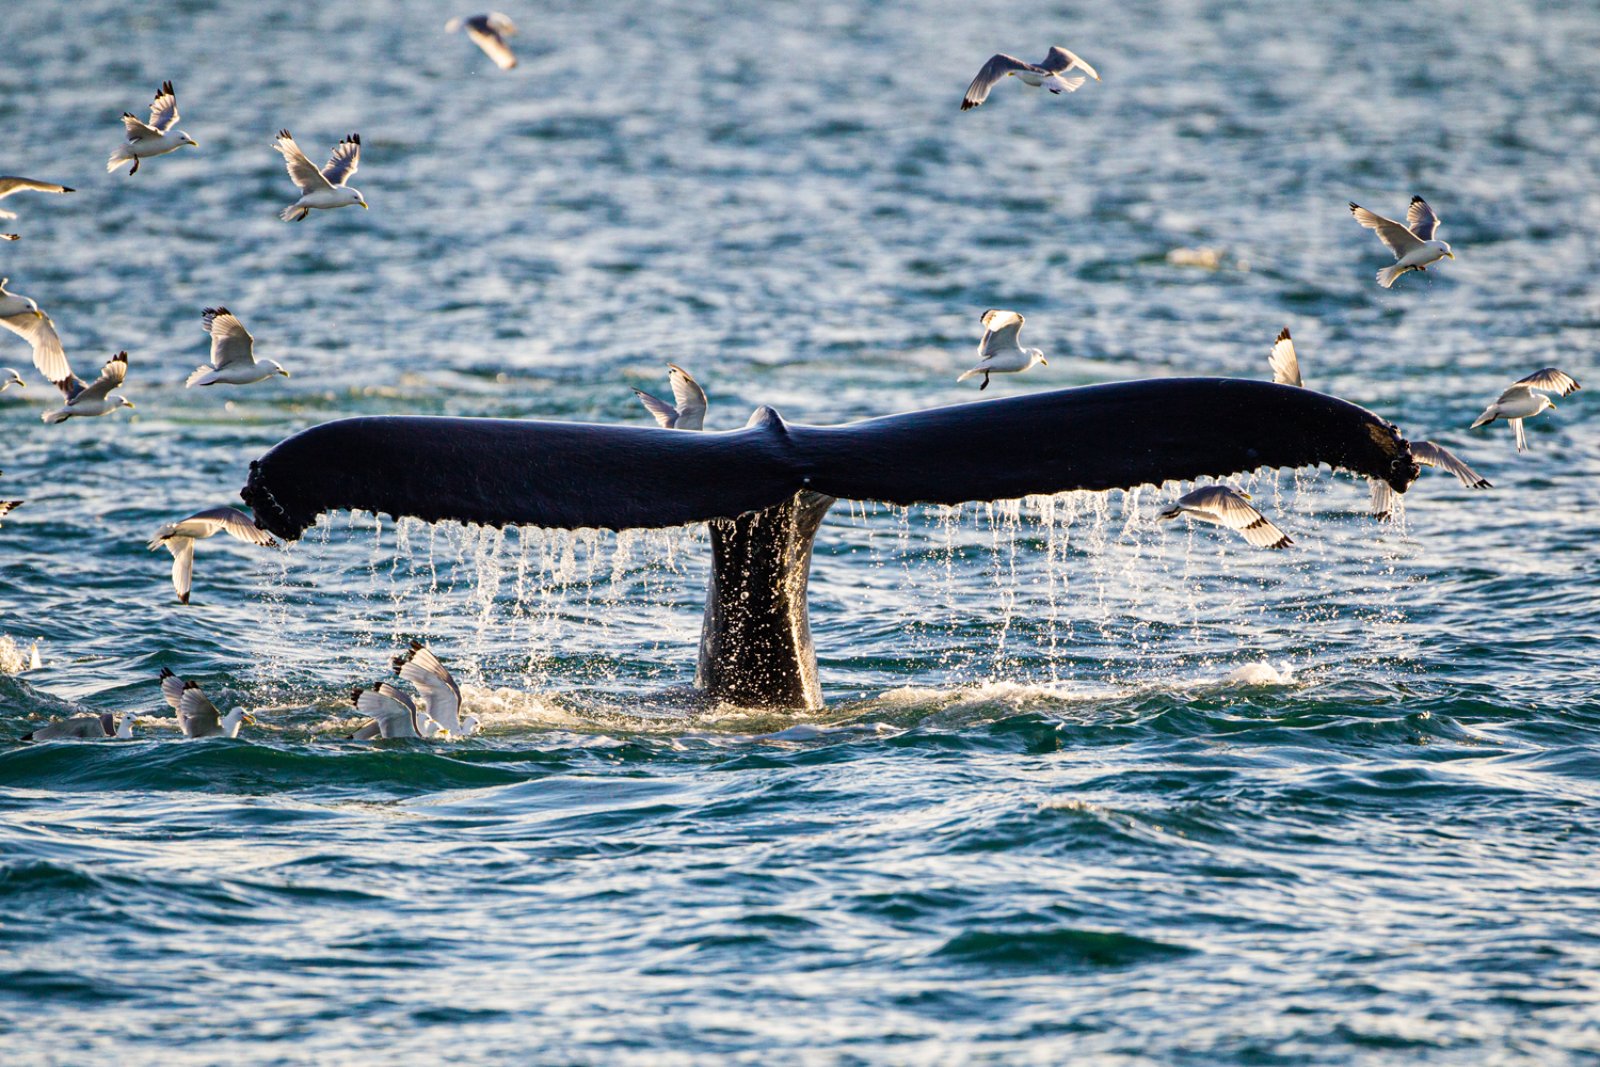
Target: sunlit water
x=1046, y=814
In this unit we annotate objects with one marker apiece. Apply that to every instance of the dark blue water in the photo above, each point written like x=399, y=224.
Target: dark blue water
x=1037, y=822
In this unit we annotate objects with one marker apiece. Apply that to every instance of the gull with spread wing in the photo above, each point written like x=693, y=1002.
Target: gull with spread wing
x=1413, y=245
x=233, y=359
x=489, y=32
x=22, y=316
x=10, y=184
x=179, y=538
x=1000, y=351
x=154, y=138
x=1051, y=73
x=1526, y=398
x=1226, y=506
x=323, y=189
x=441, y=695
x=688, y=409
x=95, y=399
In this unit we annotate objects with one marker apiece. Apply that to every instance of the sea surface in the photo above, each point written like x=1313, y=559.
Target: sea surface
x=1089, y=787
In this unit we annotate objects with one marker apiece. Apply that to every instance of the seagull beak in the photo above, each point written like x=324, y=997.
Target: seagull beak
x=1046, y=362
x=1552, y=405
x=38, y=314
x=283, y=372
x=127, y=403
x=363, y=205
x=1452, y=255
x=251, y=719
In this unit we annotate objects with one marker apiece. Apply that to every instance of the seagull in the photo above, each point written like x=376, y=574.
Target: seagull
x=1427, y=454
x=1227, y=506
x=393, y=710
x=1526, y=399
x=1000, y=352
x=22, y=316
x=179, y=538
x=1048, y=74
x=11, y=378
x=1412, y=244
x=155, y=138
x=489, y=32
x=233, y=360
x=87, y=727
x=8, y=506
x=96, y=399
x=11, y=184
x=1285, y=367
x=323, y=188
x=9, y=236
x=688, y=410
x=197, y=716
x=34, y=662
x=441, y=696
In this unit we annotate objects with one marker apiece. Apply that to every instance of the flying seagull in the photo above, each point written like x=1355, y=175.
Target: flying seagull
x=233, y=360
x=1526, y=398
x=154, y=138
x=1000, y=352
x=1050, y=74
x=1427, y=454
x=1285, y=367
x=85, y=727
x=11, y=378
x=91, y=400
x=1412, y=244
x=441, y=696
x=8, y=506
x=1227, y=506
x=325, y=188
x=179, y=538
x=12, y=184
x=688, y=409
x=489, y=32
x=22, y=316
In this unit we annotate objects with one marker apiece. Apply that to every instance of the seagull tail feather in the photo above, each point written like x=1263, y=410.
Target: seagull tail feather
x=293, y=213
x=1389, y=275
x=53, y=417
x=118, y=158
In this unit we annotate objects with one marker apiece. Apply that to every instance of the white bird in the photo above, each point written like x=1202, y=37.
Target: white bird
x=1048, y=74
x=198, y=717
x=10, y=184
x=233, y=360
x=179, y=538
x=86, y=727
x=11, y=378
x=1226, y=506
x=393, y=710
x=489, y=32
x=34, y=662
x=441, y=696
x=1427, y=454
x=1000, y=351
x=1412, y=244
x=688, y=409
x=154, y=138
x=1285, y=367
x=9, y=236
x=22, y=316
x=90, y=400
x=324, y=189
x=1526, y=398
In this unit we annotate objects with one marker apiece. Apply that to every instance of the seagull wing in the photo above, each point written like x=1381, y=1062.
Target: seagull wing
x=164, y=109
x=490, y=37
x=1226, y=506
x=1399, y=240
x=48, y=354
x=423, y=657
x=1421, y=220
x=1383, y=497
x=111, y=376
x=302, y=171
x=171, y=688
x=230, y=341
x=998, y=67
x=1285, y=367
x=1549, y=380
x=666, y=415
x=136, y=129
x=1431, y=455
x=197, y=715
x=1059, y=61
x=1000, y=329
x=689, y=398
x=344, y=161
x=9, y=185
x=182, y=549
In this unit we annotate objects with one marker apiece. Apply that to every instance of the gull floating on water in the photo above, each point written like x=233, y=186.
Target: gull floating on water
x=441, y=696
x=22, y=316
x=1526, y=398
x=154, y=138
x=1000, y=351
x=323, y=189
x=233, y=360
x=688, y=409
x=1047, y=74
x=489, y=32
x=1412, y=244
x=1227, y=506
x=86, y=727
x=393, y=711
x=197, y=716
x=179, y=538
x=87, y=401
x=11, y=184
